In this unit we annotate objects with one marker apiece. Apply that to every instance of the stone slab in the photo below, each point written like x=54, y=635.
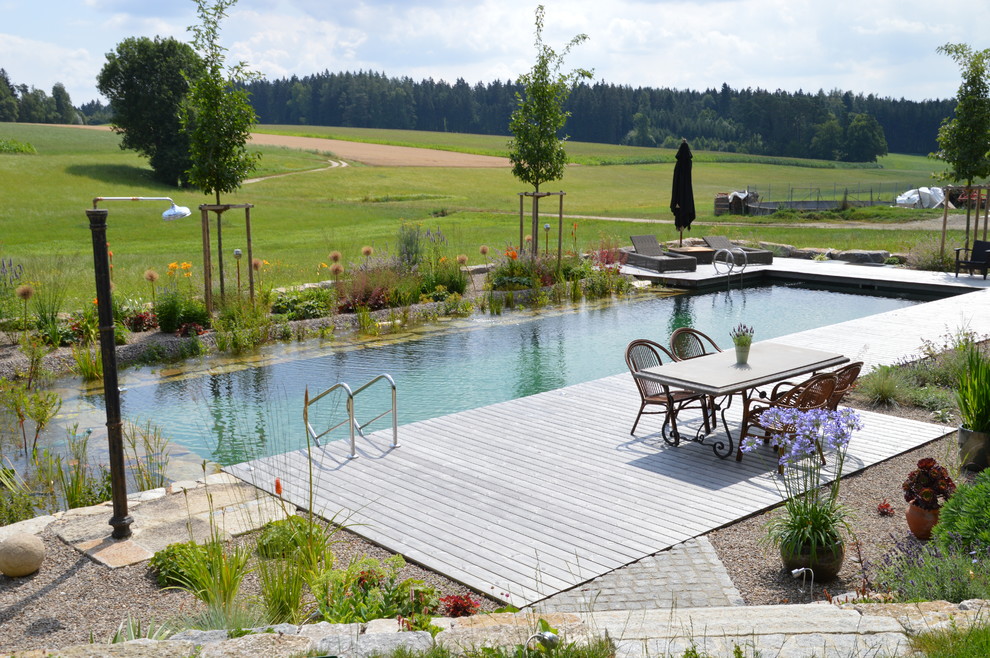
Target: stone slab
x=114, y=553
x=33, y=526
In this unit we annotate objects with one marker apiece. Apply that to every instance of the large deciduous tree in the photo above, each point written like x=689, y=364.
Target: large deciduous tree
x=218, y=116
x=147, y=82
x=537, y=150
x=865, y=140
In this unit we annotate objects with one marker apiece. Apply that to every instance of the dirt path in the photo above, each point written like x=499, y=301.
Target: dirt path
x=381, y=155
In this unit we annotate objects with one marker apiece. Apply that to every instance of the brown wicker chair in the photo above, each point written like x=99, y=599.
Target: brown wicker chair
x=846, y=377
x=813, y=393
x=642, y=354
x=687, y=343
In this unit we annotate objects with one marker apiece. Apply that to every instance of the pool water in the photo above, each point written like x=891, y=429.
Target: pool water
x=232, y=410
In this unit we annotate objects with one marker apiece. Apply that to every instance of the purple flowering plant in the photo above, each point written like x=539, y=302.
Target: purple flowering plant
x=814, y=519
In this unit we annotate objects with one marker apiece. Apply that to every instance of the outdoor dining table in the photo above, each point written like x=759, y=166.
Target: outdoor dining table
x=720, y=377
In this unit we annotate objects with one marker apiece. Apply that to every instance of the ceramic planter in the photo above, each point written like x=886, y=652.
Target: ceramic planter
x=825, y=566
x=921, y=521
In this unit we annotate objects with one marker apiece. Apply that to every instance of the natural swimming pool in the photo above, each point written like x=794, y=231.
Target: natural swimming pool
x=229, y=410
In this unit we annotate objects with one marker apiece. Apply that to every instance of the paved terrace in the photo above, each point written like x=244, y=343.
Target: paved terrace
x=527, y=498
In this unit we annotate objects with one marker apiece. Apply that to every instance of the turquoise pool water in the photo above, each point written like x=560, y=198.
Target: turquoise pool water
x=232, y=410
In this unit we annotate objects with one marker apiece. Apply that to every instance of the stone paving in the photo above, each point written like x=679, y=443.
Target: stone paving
x=689, y=575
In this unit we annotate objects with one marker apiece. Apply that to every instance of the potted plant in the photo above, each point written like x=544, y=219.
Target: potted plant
x=810, y=533
x=973, y=399
x=742, y=338
x=924, y=488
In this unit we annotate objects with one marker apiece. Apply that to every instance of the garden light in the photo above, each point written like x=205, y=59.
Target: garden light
x=546, y=639
x=120, y=520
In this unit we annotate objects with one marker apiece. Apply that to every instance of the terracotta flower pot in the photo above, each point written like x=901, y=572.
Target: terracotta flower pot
x=921, y=521
x=825, y=566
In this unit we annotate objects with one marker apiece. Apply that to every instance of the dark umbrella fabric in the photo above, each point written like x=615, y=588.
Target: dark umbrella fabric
x=682, y=194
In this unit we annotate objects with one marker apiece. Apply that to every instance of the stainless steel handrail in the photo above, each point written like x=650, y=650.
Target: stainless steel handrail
x=351, y=421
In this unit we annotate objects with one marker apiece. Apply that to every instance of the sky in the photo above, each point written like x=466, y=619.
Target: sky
x=883, y=47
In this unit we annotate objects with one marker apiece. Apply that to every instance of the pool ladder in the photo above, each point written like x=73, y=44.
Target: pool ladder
x=351, y=421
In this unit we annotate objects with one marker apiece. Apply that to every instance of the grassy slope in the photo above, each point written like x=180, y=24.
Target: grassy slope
x=298, y=219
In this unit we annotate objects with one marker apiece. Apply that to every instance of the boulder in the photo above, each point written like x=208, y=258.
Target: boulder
x=21, y=555
x=862, y=256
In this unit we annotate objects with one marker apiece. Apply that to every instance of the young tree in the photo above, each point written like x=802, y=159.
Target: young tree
x=219, y=115
x=147, y=83
x=964, y=140
x=537, y=151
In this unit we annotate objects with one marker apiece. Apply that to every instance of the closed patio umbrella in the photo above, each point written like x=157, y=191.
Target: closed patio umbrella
x=682, y=193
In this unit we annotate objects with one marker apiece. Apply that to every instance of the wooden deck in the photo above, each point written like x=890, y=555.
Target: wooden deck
x=527, y=498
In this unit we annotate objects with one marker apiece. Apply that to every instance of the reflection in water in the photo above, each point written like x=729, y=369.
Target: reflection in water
x=234, y=411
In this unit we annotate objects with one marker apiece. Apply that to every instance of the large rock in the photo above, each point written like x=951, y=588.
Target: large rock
x=862, y=256
x=21, y=555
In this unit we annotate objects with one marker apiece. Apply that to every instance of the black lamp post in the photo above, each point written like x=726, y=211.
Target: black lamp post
x=121, y=520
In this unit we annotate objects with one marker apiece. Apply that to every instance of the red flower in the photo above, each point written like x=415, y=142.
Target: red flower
x=278, y=487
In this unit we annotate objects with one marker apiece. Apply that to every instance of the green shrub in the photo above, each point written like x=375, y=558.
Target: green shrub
x=883, y=387
x=15, y=498
x=368, y=589
x=16, y=147
x=305, y=304
x=175, y=308
x=281, y=538
x=167, y=563
x=929, y=255
x=965, y=516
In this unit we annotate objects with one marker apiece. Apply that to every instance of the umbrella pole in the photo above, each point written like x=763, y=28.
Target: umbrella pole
x=680, y=240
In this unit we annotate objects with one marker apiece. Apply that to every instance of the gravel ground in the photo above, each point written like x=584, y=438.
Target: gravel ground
x=73, y=597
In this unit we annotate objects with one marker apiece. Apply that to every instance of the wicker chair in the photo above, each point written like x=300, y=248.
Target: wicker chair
x=754, y=256
x=813, y=393
x=978, y=259
x=846, y=377
x=687, y=343
x=642, y=354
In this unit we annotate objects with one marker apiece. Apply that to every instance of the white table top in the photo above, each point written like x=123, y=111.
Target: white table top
x=719, y=374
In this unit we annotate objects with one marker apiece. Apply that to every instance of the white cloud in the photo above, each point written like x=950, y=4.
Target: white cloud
x=885, y=47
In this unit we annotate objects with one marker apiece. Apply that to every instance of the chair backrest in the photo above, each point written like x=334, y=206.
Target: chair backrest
x=687, y=343
x=981, y=250
x=718, y=242
x=816, y=391
x=846, y=377
x=646, y=245
x=812, y=393
x=641, y=354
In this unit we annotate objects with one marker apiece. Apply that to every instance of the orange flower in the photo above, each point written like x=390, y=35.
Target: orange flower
x=186, y=266
x=511, y=254
x=278, y=487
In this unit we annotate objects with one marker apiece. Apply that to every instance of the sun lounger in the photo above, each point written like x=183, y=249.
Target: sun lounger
x=753, y=256
x=647, y=253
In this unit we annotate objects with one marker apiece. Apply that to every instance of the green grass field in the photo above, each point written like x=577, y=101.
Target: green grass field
x=297, y=220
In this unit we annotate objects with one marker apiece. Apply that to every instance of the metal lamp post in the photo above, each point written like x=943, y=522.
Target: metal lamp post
x=120, y=520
